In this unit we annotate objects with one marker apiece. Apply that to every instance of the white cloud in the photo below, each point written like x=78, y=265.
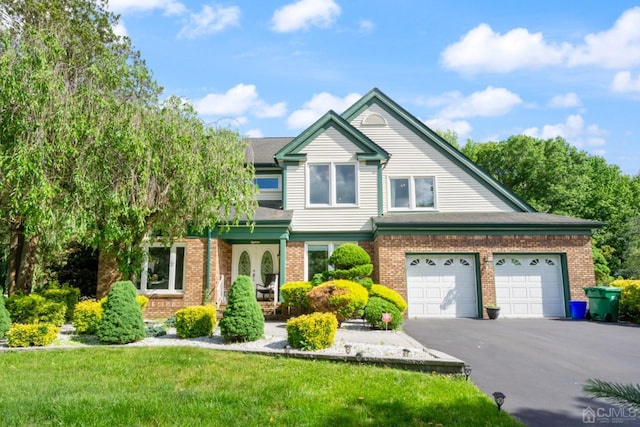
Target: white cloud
x=618, y=47
x=305, y=14
x=366, y=26
x=483, y=49
x=623, y=82
x=120, y=29
x=169, y=7
x=568, y=100
x=319, y=104
x=237, y=101
x=461, y=127
x=210, y=20
x=572, y=130
x=490, y=102
x=254, y=133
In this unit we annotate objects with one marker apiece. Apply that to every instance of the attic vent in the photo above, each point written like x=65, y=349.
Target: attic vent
x=374, y=120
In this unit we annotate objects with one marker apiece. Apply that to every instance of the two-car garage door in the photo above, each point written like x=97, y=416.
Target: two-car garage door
x=446, y=285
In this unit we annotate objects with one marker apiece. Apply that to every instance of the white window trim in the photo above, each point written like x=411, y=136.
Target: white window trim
x=331, y=246
x=332, y=185
x=412, y=193
x=172, y=269
x=270, y=190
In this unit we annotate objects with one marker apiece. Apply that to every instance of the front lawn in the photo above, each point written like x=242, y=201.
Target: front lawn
x=185, y=386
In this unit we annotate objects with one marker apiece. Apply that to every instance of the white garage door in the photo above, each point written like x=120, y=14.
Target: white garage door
x=529, y=285
x=441, y=286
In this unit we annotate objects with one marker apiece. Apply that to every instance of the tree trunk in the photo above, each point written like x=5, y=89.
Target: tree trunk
x=16, y=242
x=22, y=260
x=27, y=264
x=108, y=273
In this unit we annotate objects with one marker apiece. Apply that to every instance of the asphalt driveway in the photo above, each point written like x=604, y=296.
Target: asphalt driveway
x=541, y=364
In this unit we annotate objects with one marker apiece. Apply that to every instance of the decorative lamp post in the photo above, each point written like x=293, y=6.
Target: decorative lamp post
x=498, y=396
x=467, y=371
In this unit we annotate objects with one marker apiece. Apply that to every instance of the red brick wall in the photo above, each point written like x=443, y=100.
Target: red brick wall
x=390, y=252
x=295, y=262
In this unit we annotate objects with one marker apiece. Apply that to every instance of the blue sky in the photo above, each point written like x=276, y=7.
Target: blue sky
x=487, y=70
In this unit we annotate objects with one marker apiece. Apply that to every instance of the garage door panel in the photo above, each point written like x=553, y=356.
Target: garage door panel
x=529, y=285
x=447, y=284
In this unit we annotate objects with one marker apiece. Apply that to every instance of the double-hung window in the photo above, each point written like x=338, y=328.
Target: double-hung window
x=415, y=192
x=163, y=269
x=332, y=184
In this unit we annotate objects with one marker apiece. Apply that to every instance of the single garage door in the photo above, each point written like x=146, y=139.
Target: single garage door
x=441, y=286
x=529, y=285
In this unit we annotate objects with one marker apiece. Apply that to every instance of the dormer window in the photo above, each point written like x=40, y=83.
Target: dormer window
x=412, y=193
x=332, y=184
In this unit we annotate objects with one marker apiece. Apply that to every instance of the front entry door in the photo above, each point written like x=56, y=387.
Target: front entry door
x=255, y=261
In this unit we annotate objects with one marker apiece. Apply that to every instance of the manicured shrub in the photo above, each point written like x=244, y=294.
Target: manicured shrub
x=242, y=320
x=376, y=308
x=122, y=321
x=34, y=308
x=389, y=295
x=170, y=322
x=5, y=318
x=313, y=331
x=342, y=297
x=66, y=295
x=87, y=316
x=294, y=295
x=629, y=298
x=142, y=302
x=195, y=321
x=348, y=255
x=23, y=335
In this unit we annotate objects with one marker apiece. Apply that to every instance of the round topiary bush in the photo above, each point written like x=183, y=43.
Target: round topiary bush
x=389, y=295
x=242, y=320
x=376, y=308
x=5, y=319
x=313, y=331
x=195, y=321
x=342, y=297
x=122, y=321
x=348, y=255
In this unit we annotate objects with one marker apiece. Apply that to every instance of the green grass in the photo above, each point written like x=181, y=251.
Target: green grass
x=183, y=386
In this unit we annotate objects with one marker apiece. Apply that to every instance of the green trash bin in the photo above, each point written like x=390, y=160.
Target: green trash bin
x=604, y=303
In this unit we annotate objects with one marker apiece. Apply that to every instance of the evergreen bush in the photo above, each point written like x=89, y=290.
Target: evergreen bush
x=389, y=295
x=87, y=316
x=195, y=321
x=39, y=334
x=142, y=302
x=376, y=308
x=294, y=295
x=313, y=331
x=5, y=318
x=122, y=321
x=242, y=320
x=348, y=255
x=342, y=297
x=34, y=308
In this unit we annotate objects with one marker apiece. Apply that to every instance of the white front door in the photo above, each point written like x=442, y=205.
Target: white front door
x=529, y=285
x=255, y=261
x=441, y=285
